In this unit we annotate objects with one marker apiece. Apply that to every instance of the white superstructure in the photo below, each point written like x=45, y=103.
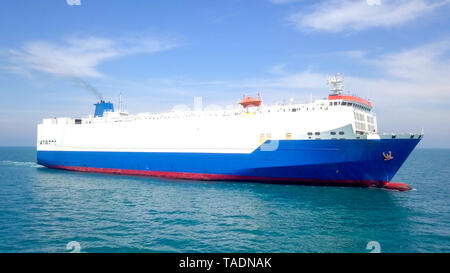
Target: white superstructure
x=240, y=130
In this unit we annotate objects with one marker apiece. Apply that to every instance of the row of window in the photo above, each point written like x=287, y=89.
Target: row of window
x=331, y=133
x=307, y=109
x=334, y=138
x=336, y=103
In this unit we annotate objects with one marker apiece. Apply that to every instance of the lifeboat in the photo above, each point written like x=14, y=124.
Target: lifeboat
x=247, y=101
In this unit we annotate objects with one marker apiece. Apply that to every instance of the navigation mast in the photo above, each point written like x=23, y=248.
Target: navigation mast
x=336, y=83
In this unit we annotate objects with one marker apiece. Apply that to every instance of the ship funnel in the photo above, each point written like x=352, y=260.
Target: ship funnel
x=102, y=107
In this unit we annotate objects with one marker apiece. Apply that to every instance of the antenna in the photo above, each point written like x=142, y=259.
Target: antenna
x=336, y=83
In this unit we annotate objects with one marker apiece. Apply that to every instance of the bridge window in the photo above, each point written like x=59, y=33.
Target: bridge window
x=309, y=134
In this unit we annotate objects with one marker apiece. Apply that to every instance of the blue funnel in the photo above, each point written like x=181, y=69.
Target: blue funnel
x=103, y=106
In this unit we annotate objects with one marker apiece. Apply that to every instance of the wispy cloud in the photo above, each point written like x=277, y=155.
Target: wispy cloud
x=278, y=69
x=14, y=69
x=418, y=64
x=410, y=92
x=300, y=81
x=355, y=15
x=78, y=57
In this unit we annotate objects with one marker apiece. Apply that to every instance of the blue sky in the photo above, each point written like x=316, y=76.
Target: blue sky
x=159, y=54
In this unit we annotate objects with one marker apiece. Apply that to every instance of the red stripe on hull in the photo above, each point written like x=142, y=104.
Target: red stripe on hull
x=226, y=177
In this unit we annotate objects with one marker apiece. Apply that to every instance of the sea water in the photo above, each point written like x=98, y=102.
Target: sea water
x=43, y=210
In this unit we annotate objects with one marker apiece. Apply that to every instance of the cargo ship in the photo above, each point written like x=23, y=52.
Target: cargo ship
x=329, y=141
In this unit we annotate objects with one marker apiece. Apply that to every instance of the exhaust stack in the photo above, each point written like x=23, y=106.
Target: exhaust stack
x=102, y=107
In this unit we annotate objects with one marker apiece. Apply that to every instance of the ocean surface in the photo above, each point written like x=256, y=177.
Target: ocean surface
x=42, y=210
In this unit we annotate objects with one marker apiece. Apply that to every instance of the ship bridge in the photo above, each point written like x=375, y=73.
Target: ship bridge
x=337, y=98
x=364, y=120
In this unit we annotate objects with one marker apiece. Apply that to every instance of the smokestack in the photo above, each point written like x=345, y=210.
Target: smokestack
x=102, y=107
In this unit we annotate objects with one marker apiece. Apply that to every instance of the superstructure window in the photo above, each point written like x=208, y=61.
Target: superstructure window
x=317, y=133
x=333, y=133
x=344, y=103
x=341, y=133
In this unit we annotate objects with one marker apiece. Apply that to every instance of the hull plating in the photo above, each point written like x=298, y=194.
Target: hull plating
x=324, y=162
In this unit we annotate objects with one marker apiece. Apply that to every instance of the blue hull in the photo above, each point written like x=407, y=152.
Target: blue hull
x=353, y=162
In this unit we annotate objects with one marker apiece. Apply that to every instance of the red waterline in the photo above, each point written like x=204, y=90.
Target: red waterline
x=227, y=177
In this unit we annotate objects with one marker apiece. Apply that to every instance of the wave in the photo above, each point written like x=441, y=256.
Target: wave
x=19, y=163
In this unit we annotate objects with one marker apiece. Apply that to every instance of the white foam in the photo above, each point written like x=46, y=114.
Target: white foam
x=19, y=163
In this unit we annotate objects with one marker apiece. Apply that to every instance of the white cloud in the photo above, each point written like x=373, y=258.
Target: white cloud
x=303, y=80
x=418, y=64
x=78, y=57
x=13, y=69
x=355, y=15
x=277, y=69
x=410, y=92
